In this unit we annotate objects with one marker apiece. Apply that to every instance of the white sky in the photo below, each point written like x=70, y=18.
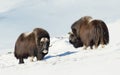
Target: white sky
x=56, y=16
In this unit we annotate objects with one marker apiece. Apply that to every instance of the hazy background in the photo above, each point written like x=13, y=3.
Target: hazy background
x=56, y=16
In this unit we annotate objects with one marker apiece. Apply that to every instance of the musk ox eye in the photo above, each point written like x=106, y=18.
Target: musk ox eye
x=41, y=43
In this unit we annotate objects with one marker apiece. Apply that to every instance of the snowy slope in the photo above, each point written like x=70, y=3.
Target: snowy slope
x=64, y=59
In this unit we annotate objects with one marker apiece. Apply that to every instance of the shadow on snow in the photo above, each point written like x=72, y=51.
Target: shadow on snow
x=60, y=55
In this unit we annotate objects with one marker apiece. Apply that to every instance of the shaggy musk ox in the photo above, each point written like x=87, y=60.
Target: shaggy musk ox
x=88, y=32
x=34, y=44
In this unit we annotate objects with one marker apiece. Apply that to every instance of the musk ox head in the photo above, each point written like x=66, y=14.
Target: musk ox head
x=43, y=48
x=76, y=42
x=44, y=45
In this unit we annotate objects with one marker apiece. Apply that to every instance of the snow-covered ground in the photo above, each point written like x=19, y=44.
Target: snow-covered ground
x=64, y=59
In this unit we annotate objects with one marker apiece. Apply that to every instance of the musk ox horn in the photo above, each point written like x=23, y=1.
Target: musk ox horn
x=70, y=33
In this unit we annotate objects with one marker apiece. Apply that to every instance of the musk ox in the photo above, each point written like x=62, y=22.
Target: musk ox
x=89, y=32
x=34, y=44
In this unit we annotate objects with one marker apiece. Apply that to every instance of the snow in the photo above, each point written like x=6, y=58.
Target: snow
x=64, y=59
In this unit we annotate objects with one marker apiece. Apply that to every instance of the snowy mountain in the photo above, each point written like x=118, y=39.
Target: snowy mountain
x=64, y=59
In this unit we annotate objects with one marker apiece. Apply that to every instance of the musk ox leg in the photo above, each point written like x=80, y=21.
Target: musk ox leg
x=102, y=43
x=96, y=44
x=86, y=45
x=40, y=56
x=21, y=61
x=91, y=47
x=91, y=44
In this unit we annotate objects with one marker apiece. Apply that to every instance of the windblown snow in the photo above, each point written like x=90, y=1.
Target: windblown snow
x=64, y=59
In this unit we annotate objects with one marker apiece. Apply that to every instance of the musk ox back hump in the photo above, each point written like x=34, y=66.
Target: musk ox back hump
x=41, y=33
x=76, y=26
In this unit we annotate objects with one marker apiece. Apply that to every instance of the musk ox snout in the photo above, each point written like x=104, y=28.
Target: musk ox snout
x=45, y=51
x=44, y=43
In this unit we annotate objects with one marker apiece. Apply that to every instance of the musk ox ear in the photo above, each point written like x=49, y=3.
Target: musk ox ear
x=70, y=33
x=50, y=45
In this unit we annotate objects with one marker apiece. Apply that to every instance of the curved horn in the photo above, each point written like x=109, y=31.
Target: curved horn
x=70, y=33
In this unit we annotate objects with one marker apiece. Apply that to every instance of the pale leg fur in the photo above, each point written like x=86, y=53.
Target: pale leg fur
x=31, y=59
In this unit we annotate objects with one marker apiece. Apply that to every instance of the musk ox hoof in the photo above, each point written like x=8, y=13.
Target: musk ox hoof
x=84, y=47
x=31, y=59
x=103, y=46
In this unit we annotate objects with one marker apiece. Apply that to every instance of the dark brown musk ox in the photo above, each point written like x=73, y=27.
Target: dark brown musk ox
x=89, y=32
x=34, y=44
